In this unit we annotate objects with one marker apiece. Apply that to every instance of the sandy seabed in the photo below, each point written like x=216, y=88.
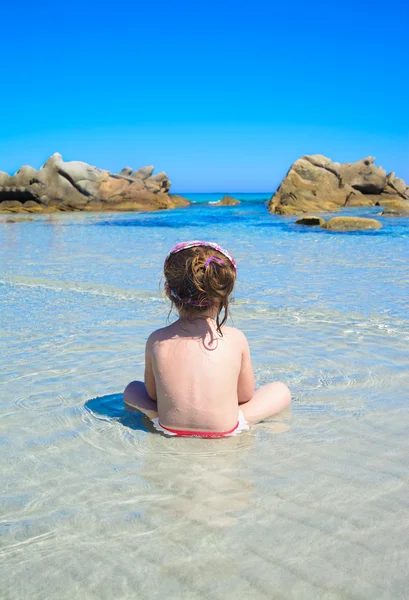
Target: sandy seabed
x=313, y=504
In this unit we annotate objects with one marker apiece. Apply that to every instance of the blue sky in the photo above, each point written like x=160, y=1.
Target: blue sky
x=223, y=96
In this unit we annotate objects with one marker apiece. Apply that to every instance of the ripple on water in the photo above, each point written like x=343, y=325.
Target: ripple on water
x=41, y=401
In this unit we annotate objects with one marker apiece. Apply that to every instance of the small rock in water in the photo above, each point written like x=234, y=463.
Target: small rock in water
x=397, y=209
x=351, y=224
x=227, y=201
x=312, y=221
x=17, y=220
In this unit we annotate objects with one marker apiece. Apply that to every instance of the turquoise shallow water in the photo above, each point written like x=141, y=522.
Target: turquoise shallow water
x=311, y=505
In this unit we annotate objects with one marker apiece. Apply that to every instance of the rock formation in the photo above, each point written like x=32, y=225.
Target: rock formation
x=75, y=185
x=227, y=201
x=317, y=184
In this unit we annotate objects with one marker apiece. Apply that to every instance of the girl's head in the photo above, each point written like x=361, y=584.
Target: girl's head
x=200, y=276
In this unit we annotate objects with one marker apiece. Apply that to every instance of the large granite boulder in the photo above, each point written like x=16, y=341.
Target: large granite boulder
x=317, y=184
x=4, y=178
x=143, y=173
x=311, y=185
x=76, y=185
x=157, y=183
x=396, y=186
x=23, y=176
x=364, y=176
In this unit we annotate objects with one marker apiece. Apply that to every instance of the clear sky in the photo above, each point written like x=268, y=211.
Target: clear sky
x=222, y=95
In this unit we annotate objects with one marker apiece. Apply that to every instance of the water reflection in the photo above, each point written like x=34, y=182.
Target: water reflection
x=189, y=481
x=193, y=480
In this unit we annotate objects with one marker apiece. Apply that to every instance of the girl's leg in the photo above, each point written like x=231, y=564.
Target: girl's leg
x=266, y=402
x=135, y=395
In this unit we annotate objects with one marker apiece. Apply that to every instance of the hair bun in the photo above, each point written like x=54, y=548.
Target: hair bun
x=215, y=259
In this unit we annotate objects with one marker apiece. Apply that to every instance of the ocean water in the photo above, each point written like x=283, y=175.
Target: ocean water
x=311, y=504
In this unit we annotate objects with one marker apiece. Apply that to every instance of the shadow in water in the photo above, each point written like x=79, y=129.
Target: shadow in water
x=112, y=407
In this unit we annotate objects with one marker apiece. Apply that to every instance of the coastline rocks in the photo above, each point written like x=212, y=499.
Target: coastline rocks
x=76, y=185
x=351, y=224
x=227, y=201
x=317, y=184
x=311, y=221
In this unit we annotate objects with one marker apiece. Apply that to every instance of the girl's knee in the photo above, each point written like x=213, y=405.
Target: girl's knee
x=129, y=387
x=282, y=390
x=132, y=388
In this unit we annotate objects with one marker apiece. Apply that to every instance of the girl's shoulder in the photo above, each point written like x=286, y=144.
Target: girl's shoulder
x=158, y=335
x=235, y=334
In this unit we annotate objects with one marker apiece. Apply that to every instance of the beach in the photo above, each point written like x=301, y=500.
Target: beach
x=311, y=504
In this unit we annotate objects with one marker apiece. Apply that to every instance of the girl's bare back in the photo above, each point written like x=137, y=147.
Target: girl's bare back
x=194, y=374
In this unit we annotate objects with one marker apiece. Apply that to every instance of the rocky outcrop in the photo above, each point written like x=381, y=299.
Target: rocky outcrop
x=317, y=184
x=351, y=224
x=75, y=185
x=227, y=201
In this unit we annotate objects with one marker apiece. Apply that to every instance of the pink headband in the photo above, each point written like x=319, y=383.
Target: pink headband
x=183, y=246
x=192, y=244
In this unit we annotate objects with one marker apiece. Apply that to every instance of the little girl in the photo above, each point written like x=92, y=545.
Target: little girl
x=199, y=379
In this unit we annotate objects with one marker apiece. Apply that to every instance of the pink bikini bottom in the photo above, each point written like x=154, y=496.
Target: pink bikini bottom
x=240, y=426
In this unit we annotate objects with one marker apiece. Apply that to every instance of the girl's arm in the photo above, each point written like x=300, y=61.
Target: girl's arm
x=246, y=383
x=150, y=383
